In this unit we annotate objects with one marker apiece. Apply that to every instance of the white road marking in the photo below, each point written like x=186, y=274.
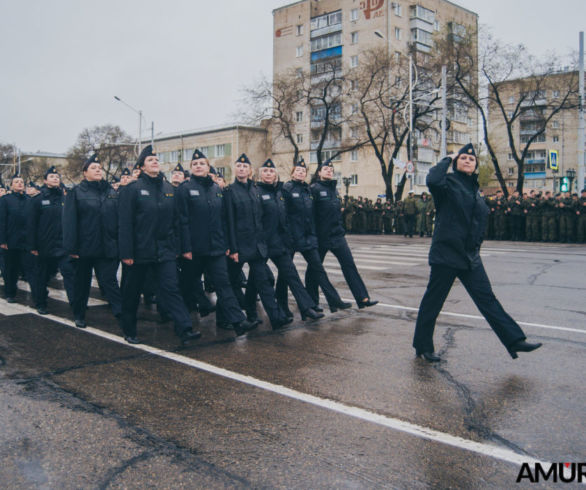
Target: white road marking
x=482, y=448
x=60, y=294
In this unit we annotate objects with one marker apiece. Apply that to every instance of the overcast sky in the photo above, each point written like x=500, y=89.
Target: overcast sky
x=182, y=62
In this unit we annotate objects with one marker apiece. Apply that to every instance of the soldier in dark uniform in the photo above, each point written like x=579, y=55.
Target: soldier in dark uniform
x=378, y=216
x=248, y=245
x=399, y=217
x=548, y=210
x=515, y=211
x=177, y=175
x=388, y=217
x=359, y=222
x=300, y=215
x=455, y=252
x=500, y=221
x=278, y=238
x=44, y=232
x=530, y=209
x=90, y=236
x=204, y=241
x=581, y=218
x=13, y=208
x=135, y=172
x=330, y=235
x=149, y=237
x=125, y=177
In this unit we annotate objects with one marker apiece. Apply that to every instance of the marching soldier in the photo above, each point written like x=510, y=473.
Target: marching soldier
x=13, y=208
x=330, y=235
x=45, y=240
x=90, y=237
x=149, y=237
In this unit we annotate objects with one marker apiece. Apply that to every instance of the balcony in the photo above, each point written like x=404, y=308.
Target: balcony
x=325, y=30
x=324, y=77
x=328, y=144
x=536, y=161
x=424, y=48
x=534, y=102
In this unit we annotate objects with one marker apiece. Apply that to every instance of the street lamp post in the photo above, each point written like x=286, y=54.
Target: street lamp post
x=139, y=112
x=571, y=175
x=346, y=181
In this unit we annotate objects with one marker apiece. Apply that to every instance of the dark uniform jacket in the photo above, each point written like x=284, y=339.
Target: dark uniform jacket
x=461, y=217
x=299, y=203
x=328, y=214
x=90, y=220
x=246, y=233
x=274, y=219
x=44, y=224
x=203, y=217
x=149, y=221
x=13, y=208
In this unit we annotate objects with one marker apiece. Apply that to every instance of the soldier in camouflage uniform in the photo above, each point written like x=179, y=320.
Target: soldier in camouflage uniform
x=500, y=224
x=490, y=203
x=387, y=217
x=581, y=218
x=378, y=216
x=532, y=218
x=410, y=214
x=548, y=218
x=399, y=218
x=429, y=215
x=421, y=204
x=515, y=212
x=348, y=213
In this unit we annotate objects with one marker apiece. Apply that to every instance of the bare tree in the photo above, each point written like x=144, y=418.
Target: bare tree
x=114, y=148
x=514, y=91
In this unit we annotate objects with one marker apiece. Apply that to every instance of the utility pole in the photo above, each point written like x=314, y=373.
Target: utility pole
x=580, y=181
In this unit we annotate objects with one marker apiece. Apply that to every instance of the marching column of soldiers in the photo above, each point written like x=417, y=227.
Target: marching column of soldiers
x=534, y=217
x=178, y=240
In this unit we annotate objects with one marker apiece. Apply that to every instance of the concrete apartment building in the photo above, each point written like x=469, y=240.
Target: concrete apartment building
x=308, y=32
x=559, y=138
x=222, y=145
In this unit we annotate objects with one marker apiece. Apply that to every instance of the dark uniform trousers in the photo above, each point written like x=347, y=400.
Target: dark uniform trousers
x=44, y=267
x=351, y=274
x=289, y=275
x=478, y=287
x=106, y=276
x=16, y=261
x=168, y=295
x=260, y=276
x=409, y=220
x=315, y=271
x=214, y=267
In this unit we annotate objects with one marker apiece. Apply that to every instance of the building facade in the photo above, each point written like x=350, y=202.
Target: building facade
x=222, y=145
x=553, y=154
x=312, y=33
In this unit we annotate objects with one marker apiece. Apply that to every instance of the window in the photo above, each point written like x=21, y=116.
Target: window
x=334, y=155
x=335, y=18
x=325, y=42
x=187, y=154
x=219, y=151
x=419, y=12
x=397, y=9
x=512, y=99
x=511, y=171
x=221, y=171
x=353, y=84
x=354, y=14
x=326, y=20
x=355, y=108
x=354, y=179
x=354, y=132
x=556, y=94
x=299, y=138
x=510, y=114
x=398, y=33
x=354, y=38
x=436, y=26
x=354, y=156
x=299, y=72
x=510, y=156
x=299, y=116
x=354, y=61
x=299, y=51
x=397, y=56
x=174, y=157
x=421, y=36
x=555, y=139
x=300, y=30
x=555, y=124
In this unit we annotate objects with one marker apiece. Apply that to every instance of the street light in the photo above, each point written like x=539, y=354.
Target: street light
x=571, y=174
x=139, y=112
x=347, y=181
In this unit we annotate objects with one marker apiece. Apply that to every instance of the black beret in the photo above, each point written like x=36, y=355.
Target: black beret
x=147, y=151
x=90, y=160
x=197, y=155
x=300, y=163
x=186, y=174
x=178, y=168
x=268, y=164
x=465, y=150
x=243, y=159
x=125, y=171
x=213, y=170
x=51, y=170
x=115, y=179
x=327, y=163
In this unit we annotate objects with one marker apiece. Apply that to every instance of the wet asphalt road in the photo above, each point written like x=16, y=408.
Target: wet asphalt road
x=83, y=411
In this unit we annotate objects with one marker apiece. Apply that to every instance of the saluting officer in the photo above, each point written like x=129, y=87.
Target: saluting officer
x=44, y=233
x=149, y=237
x=247, y=243
x=90, y=236
x=330, y=234
x=13, y=209
x=300, y=215
x=279, y=244
x=204, y=242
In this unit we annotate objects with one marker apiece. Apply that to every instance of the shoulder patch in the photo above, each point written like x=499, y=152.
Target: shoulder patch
x=193, y=192
x=144, y=192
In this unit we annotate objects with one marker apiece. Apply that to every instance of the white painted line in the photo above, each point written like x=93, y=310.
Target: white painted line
x=482, y=448
x=478, y=317
x=60, y=294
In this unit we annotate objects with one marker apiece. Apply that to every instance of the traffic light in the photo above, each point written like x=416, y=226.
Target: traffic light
x=564, y=184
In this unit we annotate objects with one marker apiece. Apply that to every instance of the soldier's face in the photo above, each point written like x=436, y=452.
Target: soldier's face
x=135, y=173
x=125, y=180
x=200, y=167
x=151, y=165
x=268, y=175
x=326, y=173
x=299, y=173
x=2, y=191
x=466, y=164
x=52, y=180
x=17, y=185
x=242, y=170
x=93, y=172
x=177, y=177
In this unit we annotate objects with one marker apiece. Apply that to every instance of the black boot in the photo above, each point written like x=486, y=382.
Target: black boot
x=429, y=356
x=367, y=302
x=311, y=314
x=340, y=306
x=522, y=346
